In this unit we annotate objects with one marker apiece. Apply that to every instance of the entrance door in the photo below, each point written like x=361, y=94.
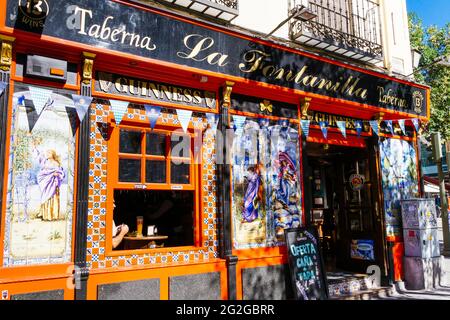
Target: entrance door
x=344, y=206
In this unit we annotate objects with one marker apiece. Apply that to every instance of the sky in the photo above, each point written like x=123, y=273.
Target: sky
x=435, y=12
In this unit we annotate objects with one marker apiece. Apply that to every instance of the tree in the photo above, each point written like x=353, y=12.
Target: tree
x=433, y=42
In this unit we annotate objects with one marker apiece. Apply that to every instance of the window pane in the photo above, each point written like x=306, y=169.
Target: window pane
x=179, y=173
x=155, y=171
x=130, y=141
x=156, y=144
x=129, y=170
x=180, y=146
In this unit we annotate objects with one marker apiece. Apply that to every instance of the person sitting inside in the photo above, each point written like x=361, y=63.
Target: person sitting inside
x=118, y=234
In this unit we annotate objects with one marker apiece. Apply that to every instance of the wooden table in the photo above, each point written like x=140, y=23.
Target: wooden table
x=143, y=242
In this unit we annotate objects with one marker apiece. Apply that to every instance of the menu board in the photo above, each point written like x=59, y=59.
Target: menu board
x=306, y=264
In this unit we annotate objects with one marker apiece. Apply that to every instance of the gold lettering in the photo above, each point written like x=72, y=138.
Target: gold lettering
x=254, y=58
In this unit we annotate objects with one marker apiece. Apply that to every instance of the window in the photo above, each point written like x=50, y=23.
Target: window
x=155, y=157
x=154, y=178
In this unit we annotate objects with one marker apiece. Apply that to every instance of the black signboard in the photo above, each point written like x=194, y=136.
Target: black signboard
x=147, y=33
x=306, y=264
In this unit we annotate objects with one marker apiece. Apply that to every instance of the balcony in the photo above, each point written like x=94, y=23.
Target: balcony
x=225, y=10
x=350, y=28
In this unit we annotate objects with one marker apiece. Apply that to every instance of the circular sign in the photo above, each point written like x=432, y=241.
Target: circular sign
x=34, y=9
x=356, y=181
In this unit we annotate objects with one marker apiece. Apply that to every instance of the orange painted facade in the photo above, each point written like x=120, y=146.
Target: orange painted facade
x=107, y=266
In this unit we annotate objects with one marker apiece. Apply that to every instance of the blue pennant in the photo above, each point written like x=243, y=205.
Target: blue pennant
x=341, y=126
x=375, y=126
x=305, y=127
x=152, y=113
x=119, y=108
x=2, y=87
x=82, y=104
x=324, y=127
x=213, y=121
x=21, y=101
x=358, y=126
x=389, y=126
x=239, y=122
x=415, y=122
x=401, y=123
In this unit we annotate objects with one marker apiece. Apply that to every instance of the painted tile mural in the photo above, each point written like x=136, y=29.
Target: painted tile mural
x=39, y=205
x=399, y=179
x=266, y=183
x=96, y=242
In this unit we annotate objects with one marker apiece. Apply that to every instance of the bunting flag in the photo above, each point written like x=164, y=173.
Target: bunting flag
x=263, y=123
x=82, y=104
x=213, y=121
x=239, y=122
x=401, y=123
x=40, y=98
x=375, y=126
x=342, y=127
x=119, y=108
x=305, y=127
x=184, y=116
x=415, y=122
x=283, y=123
x=21, y=101
x=324, y=127
x=358, y=127
x=2, y=87
x=389, y=126
x=153, y=113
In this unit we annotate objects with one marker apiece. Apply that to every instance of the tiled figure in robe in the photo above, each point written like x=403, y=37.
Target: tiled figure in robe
x=252, y=197
x=49, y=178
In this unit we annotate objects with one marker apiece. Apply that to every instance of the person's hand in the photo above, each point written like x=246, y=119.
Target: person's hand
x=124, y=229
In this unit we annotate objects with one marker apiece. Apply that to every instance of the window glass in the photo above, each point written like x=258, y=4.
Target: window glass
x=179, y=172
x=156, y=144
x=129, y=170
x=155, y=171
x=130, y=141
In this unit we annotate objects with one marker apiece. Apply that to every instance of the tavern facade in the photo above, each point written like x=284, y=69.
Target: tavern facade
x=218, y=133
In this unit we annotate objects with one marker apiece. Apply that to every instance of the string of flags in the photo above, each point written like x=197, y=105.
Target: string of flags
x=42, y=97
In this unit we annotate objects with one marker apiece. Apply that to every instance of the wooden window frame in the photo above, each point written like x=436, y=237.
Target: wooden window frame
x=113, y=183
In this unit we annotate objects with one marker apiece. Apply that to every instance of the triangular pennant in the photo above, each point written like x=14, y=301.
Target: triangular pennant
x=375, y=126
x=401, y=123
x=263, y=123
x=40, y=98
x=21, y=101
x=153, y=113
x=389, y=126
x=184, y=116
x=416, y=124
x=239, y=122
x=358, y=126
x=213, y=121
x=82, y=104
x=341, y=126
x=2, y=87
x=119, y=108
x=283, y=123
x=324, y=127
x=305, y=127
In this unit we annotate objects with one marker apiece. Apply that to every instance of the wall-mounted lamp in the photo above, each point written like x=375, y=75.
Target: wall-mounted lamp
x=300, y=12
x=443, y=61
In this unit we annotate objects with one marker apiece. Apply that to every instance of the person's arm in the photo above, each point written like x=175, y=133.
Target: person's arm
x=118, y=239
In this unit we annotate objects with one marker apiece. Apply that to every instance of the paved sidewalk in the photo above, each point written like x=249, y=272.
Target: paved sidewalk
x=440, y=293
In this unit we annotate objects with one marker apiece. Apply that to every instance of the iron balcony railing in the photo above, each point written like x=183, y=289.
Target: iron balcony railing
x=225, y=10
x=347, y=27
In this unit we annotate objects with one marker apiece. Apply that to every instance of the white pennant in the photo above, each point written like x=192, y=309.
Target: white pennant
x=82, y=104
x=342, y=128
x=239, y=122
x=184, y=116
x=40, y=98
x=119, y=108
x=213, y=121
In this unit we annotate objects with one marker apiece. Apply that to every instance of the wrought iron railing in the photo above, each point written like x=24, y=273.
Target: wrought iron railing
x=348, y=27
x=233, y=4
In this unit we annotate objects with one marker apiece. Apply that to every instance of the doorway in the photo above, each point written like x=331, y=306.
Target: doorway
x=343, y=206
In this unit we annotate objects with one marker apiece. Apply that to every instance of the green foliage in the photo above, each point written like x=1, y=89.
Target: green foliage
x=433, y=42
